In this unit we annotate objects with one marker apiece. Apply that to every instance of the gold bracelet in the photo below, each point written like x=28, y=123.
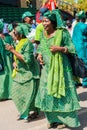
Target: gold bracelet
x=65, y=50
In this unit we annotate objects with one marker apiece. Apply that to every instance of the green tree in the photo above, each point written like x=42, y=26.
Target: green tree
x=82, y=5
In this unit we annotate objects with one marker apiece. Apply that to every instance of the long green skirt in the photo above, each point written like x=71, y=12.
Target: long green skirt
x=23, y=95
x=59, y=109
x=69, y=118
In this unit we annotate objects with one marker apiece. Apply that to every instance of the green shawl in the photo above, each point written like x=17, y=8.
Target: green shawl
x=56, y=81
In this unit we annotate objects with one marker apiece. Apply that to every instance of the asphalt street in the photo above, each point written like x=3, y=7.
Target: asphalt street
x=9, y=115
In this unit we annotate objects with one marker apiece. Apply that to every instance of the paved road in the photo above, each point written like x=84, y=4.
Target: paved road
x=9, y=113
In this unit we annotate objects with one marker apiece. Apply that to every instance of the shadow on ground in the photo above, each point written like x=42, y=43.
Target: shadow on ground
x=82, y=113
x=83, y=96
x=83, y=119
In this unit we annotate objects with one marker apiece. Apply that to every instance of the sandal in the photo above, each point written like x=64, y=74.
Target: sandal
x=61, y=126
x=52, y=125
x=32, y=116
x=49, y=126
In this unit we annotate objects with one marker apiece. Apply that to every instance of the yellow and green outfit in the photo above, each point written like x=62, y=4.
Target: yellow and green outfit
x=57, y=99
x=25, y=79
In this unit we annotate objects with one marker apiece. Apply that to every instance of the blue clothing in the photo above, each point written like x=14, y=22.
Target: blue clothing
x=80, y=41
x=33, y=26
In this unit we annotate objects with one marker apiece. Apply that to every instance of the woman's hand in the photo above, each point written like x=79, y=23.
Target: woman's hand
x=55, y=48
x=9, y=48
x=17, y=54
x=40, y=59
x=14, y=65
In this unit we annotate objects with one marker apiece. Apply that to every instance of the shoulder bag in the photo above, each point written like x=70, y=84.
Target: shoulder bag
x=79, y=67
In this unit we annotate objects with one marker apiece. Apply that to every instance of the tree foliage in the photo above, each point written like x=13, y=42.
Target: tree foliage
x=82, y=5
x=79, y=4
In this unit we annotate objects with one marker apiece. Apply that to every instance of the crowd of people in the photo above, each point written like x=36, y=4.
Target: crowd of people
x=35, y=70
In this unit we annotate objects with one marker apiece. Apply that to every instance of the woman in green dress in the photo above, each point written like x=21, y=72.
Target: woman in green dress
x=25, y=74
x=56, y=95
x=6, y=62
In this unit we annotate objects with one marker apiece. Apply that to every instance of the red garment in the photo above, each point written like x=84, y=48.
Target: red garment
x=38, y=17
x=51, y=5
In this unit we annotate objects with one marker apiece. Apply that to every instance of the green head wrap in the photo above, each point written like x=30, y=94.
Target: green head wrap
x=50, y=15
x=1, y=26
x=23, y=29
x=27, y=14
x=10, y=27
x=55, y=16
x=19, y=30
x=81, y=14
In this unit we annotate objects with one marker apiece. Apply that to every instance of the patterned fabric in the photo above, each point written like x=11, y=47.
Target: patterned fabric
x=64, y=105
x=5, y=76
x=1, y=26
x=56, y=85
x=23, y=95
x=23, y=29
x=26, y=81
x=68, y=118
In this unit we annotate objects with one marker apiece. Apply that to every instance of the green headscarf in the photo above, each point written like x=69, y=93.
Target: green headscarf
x=81, y=14
x=55, y=16
x=1, y=26
x=23, y=29
x=19, y=30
